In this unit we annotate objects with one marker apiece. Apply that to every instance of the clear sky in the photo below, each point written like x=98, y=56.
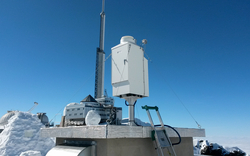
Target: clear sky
x=199, y=51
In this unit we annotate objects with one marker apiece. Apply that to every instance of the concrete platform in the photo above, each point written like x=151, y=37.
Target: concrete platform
x=115, y=140
x=113, y=131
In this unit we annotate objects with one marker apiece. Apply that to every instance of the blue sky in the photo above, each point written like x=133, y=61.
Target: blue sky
x=199, y=48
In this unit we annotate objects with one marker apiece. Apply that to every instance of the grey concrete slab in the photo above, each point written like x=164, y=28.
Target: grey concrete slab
x=113, y=131
x=75, y=132
x=124, y=131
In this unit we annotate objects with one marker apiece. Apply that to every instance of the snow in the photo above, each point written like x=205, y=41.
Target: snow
x=229, y=142
x=21, y=136
x=231, y=149
x=138, y=122
x=196, y=151
x=200, y=145
x=31, y=153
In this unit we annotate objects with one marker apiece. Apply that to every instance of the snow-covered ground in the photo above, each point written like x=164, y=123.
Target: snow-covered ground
x=21, y=137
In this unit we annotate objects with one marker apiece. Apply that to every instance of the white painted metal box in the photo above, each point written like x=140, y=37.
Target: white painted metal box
x=129, y=69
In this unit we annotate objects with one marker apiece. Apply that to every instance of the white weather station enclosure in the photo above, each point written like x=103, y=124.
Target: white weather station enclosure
x=129, y=73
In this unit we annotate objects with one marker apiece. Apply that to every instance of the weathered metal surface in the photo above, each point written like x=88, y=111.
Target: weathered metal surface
x=112, y=131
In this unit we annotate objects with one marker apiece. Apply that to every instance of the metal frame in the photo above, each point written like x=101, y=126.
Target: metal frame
x=160, y=135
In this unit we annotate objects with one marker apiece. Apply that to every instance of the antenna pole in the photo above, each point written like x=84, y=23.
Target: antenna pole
x=102, y=27
x=100, y=58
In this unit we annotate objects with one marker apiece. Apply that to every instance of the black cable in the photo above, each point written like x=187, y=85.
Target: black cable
x=175, y=132
x=128, y=104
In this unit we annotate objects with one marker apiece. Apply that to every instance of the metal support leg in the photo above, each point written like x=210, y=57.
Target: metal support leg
x=131, y=110
x=131, y=115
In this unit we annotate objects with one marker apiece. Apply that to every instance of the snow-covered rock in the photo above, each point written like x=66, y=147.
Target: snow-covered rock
x=206, y=148
x=21, y=134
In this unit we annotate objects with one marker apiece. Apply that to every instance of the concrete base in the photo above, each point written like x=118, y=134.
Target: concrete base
x=135, y=147
x=124, y=140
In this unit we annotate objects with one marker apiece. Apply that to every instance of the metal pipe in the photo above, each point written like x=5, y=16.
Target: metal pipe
x=100, y=57
x=102, y=27
x=131, y=117
x=131, y=109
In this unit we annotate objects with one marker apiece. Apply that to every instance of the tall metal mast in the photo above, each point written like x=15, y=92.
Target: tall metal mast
x=100, y=57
